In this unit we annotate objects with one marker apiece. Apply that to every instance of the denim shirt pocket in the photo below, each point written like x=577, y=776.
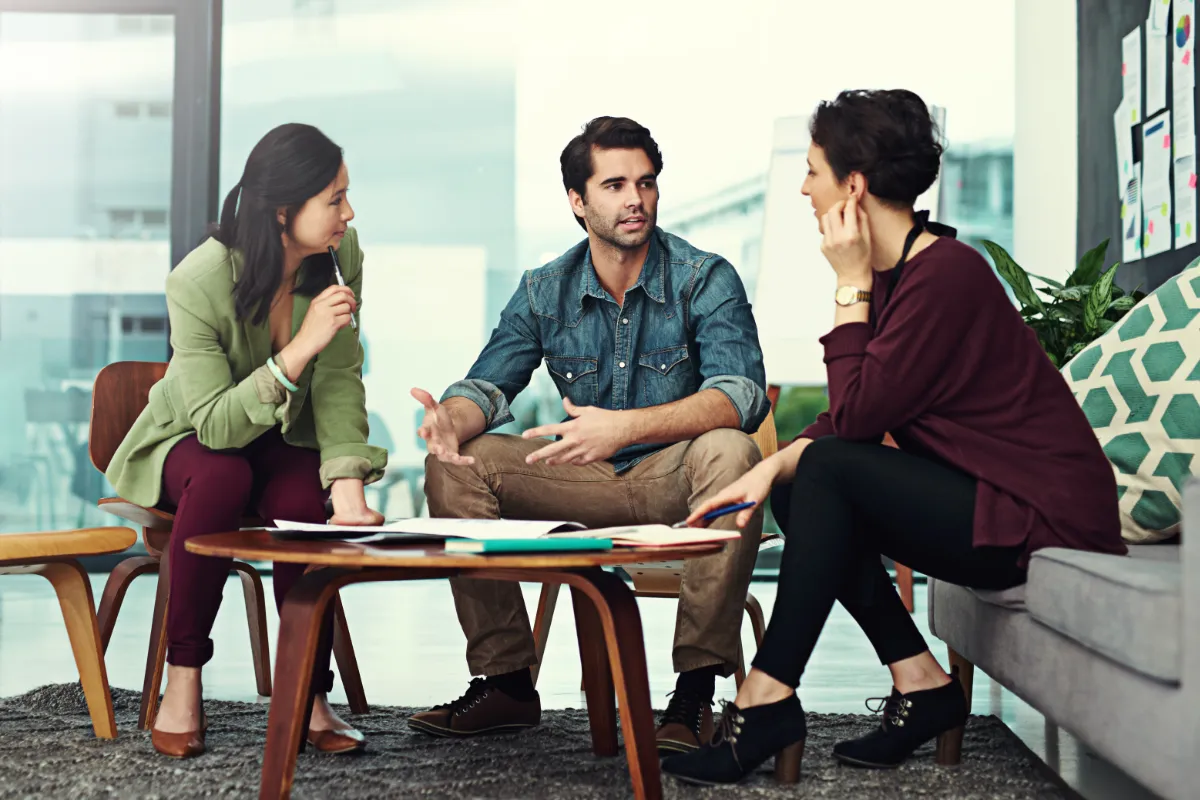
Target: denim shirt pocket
x=665, y=375
x=576, y=378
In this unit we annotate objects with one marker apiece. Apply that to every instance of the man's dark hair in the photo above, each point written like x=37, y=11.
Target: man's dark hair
x=887, y=135
x=607, y=133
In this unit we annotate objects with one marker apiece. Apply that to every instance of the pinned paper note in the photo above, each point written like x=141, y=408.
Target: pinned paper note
x=1184, y=209
x=1156, y=183
x=1167, y=140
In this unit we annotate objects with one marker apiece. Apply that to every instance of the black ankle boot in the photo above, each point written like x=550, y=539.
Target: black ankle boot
x=743, y=740
x=909, y=721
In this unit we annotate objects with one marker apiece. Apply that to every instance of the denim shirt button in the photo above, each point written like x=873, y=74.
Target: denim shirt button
x=569, y=376
x=625, y=321
x=663, y=367
x=621, y=365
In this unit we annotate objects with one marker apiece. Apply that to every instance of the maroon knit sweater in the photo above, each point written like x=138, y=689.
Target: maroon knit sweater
x=952, y=371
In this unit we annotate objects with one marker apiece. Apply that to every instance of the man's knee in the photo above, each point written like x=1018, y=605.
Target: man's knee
x=723, y=449
x=444, y=482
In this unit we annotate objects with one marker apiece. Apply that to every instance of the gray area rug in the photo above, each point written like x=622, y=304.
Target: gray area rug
x=47, y=749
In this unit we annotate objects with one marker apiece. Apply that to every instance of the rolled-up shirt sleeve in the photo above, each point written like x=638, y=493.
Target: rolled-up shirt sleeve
x=731, y=360
x=506, y=364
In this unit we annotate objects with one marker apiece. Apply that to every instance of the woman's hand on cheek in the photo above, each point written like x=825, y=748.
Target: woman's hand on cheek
x=846, y=241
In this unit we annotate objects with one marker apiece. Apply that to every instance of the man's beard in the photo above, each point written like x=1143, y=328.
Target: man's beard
x=611, y=233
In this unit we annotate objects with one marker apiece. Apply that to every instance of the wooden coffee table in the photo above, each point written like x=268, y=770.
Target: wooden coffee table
x=611, y=646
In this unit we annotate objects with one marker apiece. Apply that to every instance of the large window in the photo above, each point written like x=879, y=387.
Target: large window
x=452, y=114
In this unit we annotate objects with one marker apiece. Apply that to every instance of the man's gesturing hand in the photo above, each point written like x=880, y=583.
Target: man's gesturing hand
x=592, y=434
x=437, y=429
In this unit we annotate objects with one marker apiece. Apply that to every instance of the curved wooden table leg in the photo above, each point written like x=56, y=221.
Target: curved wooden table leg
x=615, y=608
x=157, y=653
x=597, y=674
x=347, y=664
x=757, y=621
x=541, y=625
x=114, y=592
x=295, y=653
x=74, y=591
x=256, y=621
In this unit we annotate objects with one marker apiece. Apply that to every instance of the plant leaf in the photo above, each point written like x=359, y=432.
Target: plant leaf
x=1055, y=284
x=1015, y=276
x=1076, y=349
x=1122, y=303
x=1106, y=325
x=1089, y=266
x=1099, y=299
x=1072, y=292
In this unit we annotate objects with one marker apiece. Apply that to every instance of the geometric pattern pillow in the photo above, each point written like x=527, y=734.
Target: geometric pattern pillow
x=1139, y=385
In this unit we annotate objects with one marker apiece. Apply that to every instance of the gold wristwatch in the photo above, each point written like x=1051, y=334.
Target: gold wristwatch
x=849, y=295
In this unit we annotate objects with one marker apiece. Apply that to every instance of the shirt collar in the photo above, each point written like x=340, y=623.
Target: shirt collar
x=652, y=279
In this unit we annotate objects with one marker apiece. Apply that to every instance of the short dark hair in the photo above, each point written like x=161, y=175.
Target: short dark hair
x=888, y=135
x=607, y=133
x=292, y=163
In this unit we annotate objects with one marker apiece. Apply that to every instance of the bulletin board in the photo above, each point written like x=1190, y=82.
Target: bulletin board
x=1102, y=25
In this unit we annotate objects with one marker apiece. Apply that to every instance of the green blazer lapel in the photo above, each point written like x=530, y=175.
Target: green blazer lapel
x=258, y=337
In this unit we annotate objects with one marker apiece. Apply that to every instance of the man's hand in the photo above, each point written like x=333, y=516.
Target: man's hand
x=592, y=434
x=437, y=429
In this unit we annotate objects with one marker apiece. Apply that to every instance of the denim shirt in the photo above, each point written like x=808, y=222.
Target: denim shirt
x=685, y=326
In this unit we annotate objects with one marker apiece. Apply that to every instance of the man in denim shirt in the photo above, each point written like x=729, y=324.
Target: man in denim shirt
x=654, y=350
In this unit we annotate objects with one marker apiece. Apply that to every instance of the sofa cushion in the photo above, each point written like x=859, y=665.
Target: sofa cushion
x=1139, y=385
x=1012, y=598
x=1128, y=608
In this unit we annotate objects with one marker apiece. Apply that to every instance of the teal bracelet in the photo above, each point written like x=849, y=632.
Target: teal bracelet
x=279, y=376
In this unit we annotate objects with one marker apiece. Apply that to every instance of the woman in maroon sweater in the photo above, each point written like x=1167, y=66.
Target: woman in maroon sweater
x=995, y=457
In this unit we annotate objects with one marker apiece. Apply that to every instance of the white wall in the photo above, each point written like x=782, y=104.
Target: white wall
x=1045, y=137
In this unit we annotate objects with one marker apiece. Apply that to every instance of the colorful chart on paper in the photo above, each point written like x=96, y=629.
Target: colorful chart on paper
x=1183, y=30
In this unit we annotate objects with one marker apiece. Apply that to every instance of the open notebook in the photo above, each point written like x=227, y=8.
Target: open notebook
x=424, y=528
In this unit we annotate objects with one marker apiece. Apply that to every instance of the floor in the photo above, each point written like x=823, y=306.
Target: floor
x=410, y=652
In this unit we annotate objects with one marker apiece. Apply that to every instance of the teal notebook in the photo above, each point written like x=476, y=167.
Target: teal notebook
x=557, y=544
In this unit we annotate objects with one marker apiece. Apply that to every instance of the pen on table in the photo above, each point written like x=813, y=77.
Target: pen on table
x=337, y=273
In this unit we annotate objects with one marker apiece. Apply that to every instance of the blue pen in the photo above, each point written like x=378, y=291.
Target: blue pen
x=718, y=512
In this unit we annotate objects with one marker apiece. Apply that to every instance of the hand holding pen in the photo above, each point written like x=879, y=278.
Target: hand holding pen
x=337, y=273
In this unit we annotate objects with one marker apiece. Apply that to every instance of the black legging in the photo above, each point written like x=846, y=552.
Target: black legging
x=850, y=502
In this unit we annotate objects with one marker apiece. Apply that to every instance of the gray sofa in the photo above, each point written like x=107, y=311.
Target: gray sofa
x=1107, y=647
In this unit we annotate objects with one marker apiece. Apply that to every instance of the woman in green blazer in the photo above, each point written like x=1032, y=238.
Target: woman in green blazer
x=262, y=409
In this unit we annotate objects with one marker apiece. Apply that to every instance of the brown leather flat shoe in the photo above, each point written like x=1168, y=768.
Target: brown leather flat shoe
x=188, y=744
x=342, y=740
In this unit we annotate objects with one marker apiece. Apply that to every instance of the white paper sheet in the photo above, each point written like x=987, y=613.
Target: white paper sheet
x=1185, y=201
x=1131, y=71
x=1156, y=185
x=1131, y=217
x=1183, y=77
x=1123, y=136
x=1156, y=56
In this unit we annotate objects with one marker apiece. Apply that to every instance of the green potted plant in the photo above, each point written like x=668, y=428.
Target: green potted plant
x=1073, y=314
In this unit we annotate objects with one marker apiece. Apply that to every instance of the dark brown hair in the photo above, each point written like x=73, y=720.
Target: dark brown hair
x=888, y=135
x=607, y=133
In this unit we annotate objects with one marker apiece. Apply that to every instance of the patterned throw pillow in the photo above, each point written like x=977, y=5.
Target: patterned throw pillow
x=1139, y=385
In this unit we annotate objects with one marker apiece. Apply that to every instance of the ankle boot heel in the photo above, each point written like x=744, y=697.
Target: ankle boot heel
x=787, y=763
x=949, y=747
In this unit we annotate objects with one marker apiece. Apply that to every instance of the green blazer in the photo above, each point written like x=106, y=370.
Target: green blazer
x=219, y=388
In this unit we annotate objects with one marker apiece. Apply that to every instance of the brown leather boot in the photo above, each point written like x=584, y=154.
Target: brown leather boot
x=483, y=709
x=686, y=724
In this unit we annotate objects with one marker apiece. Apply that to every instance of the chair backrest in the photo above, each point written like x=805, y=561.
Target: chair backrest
x=766, y=436
x=120, y=393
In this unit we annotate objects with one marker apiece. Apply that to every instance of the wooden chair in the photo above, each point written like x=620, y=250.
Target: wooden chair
x=53, y=556
x=120, y=393
x=664, y=579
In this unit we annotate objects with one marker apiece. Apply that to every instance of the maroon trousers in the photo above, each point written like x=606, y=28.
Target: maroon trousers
x=210, y=492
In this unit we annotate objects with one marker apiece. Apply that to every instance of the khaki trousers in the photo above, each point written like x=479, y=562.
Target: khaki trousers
x=662, y=488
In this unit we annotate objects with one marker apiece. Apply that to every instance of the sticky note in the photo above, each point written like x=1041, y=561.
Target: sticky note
x=1166, y=209
x=1188, y=229
x=1192, y=181
x=1176, y=228
x=1122, y=211
x=1150, y=228
x=1124, y=69
x=1167, y=142
x=1133, y=114
x=1187, y=57
x=1146, y=241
